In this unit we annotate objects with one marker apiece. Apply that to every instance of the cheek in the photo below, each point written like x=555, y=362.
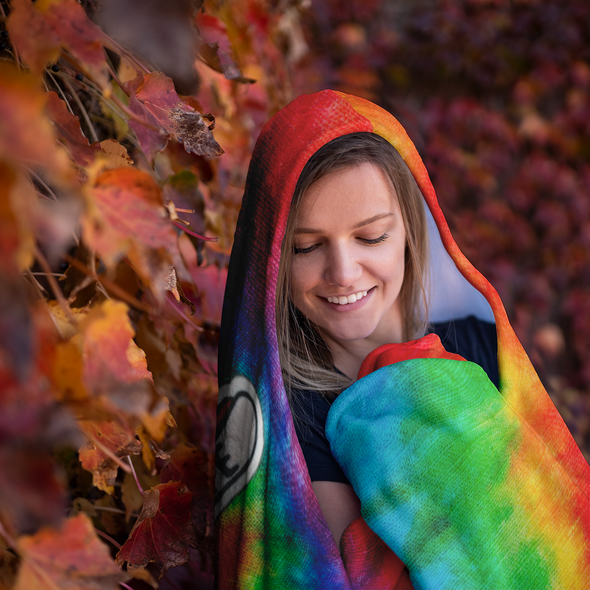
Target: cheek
x=299, y=280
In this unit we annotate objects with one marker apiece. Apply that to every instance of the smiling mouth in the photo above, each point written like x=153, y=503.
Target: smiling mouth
x=345, y=300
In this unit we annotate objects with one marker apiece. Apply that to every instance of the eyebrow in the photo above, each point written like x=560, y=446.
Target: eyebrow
x=309, y=230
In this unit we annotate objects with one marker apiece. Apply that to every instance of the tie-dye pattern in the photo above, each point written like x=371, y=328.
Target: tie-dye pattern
x=270, y=530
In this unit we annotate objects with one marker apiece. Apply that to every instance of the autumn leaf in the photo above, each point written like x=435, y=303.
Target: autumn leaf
x=163, y=532
x=68, y=558
x=127, y=217
x=101, y=437
x=100, y=371
x=113, y=154
x=26, y=135
x=68, y=129
x=154, y=100
x=195, y=468
x=41, y=29
x=32, y=490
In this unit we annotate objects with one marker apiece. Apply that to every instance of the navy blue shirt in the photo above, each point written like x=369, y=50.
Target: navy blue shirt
x=470, y=338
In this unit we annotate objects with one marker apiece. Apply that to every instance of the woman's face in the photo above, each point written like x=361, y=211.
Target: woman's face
x=348, y=262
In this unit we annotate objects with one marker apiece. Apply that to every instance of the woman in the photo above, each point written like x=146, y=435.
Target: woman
x=470, y=487
x=357, y=283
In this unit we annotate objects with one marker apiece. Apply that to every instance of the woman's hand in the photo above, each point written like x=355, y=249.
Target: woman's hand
x=339, y=504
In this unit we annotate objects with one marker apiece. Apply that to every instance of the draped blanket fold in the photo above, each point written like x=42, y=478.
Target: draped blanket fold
x=471, y=486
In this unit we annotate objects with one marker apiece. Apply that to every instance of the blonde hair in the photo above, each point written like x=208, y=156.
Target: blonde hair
x=306, y=360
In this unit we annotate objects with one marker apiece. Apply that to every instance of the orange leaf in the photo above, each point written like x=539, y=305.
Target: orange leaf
x=109, y=351
x=68, y=129
x=26, y=134
x=163, y=530
x=154, y=99
x=40, y=29
x=117, y=440
x=69, y=558
x=217, y=51
x=127, y=209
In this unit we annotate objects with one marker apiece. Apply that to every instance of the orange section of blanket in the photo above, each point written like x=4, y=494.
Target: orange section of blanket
x=369, y=562
x=428, y=347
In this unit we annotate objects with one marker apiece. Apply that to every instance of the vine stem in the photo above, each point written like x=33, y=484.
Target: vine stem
x=135, y=475
x=42, y=183
x=48, y=72
x=82, y=109
x=127, y=54
x=54, y=286
x=125, y=586
x=192, y=233
x=108, y=538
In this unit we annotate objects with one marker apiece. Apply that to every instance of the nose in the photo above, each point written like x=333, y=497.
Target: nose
x=342, y=268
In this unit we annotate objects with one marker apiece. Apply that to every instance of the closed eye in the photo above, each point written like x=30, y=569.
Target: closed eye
x=303, y=250
x=376, y=240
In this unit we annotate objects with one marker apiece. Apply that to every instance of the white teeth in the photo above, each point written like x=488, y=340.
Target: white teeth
x=342, y=300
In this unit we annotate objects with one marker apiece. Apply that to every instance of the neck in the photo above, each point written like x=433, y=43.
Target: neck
x=348, y=356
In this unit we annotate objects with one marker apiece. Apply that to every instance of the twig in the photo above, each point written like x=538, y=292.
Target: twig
x=127, y=54
x=38, y=287
x=54, y=286
x=43, y=274
x=109, y=509
x=60, y=91
x=82, y=109
x=135, y=475
x=125, y=586
x=184, y=316
x=42, y=183
x=108, y=537
x=116, y=79
x=118, y=291
x=98, y=94
x=192, y=233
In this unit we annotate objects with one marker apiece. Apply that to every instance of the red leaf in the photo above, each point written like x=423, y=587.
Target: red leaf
x=163, y=530
x=39, y=30
x=26, y=134
x=71, y=557
x=154, y=99
x=216, y=50
x=68, y=129
x=196, y=469
x=31, y=491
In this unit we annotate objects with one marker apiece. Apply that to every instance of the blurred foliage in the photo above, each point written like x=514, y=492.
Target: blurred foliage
x=126, y=135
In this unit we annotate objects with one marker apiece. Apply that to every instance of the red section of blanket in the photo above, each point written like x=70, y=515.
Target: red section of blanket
x=370, y=563
x=428, y=347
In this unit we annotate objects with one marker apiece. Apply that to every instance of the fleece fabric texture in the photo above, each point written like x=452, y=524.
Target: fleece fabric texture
x=468, y=485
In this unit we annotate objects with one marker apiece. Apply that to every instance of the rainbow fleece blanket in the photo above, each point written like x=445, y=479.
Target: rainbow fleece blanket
x=468, y=486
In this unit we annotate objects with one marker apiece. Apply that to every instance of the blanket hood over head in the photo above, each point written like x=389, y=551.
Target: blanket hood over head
x=270, y=530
